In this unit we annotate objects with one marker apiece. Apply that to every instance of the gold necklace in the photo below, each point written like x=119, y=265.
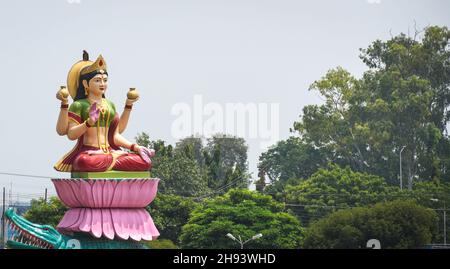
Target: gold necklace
x=103, y=111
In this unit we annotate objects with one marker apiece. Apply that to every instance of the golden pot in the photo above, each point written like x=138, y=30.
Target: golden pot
x=64, y=92
x=132, y=94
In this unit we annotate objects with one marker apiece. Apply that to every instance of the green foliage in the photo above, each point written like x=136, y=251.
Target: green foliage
x=192, y=147
x=260, y=184
x=143, y=139
x=434, y=195
x=161, y=244
x=401, y=101
x=291, y=158
x=226, y=161
x=335, y=188
x=397, y=224
x=179, y=175
x=242, y=213
x=170, y=213
x=190, y=169
x=49, y=213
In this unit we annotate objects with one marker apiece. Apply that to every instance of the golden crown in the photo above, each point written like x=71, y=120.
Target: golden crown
x=81, y=68
x=99, y=65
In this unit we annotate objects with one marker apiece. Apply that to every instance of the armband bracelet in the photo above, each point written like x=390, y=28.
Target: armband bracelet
x=87, y=124
x=133, y=147
x=128, y=107
x=64, y=106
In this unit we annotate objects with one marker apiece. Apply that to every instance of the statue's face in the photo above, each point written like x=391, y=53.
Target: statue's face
x=98, y=84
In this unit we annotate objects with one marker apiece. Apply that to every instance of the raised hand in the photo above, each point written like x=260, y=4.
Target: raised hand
x=94, y=114
x=132, y=95
x=62, y=94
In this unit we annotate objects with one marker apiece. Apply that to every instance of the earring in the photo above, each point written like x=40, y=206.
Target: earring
x=85, y=91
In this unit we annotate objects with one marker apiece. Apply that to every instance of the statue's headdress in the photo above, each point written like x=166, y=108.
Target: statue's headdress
x=83, y=67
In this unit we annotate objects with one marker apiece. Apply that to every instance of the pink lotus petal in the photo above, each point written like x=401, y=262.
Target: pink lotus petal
x=144, y=219
x=65, y=193
x=108, y=208
x=120, y=194
x=153, y=229
x=97, y=193
x=136, y=224
x=100, y=193
x=154, y=190
x=82, y=216
x=134, y=194
x=70, y=218
x=96, y=226
x=119, y=225
x=85, y=224
x=135, y=233
x=108, y=228
x=127, y=221
x=108, y=192
x=85, y=194
x=146, y=192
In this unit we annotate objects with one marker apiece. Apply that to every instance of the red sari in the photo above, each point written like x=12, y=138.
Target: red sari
x=81, y=159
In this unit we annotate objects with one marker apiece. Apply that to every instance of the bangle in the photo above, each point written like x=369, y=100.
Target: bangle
x=87, y=124
x=64, y=106
x=133, y=146
x=128, y=107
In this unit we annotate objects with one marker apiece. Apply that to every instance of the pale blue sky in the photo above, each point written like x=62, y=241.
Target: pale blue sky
x=228, y=51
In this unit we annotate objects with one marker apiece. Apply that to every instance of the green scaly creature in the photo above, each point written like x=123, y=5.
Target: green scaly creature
x=28, y=235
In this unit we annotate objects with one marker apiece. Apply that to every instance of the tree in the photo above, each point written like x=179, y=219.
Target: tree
x=335, y=188
x=396, y=224
x=401, y=101
x=242, y=213
x=143, y=139
x=415, y=78
x=431, y=195
x=226, y=161
x=170, y=213
x=46, y=213
x=179, y=173
x=291, y=158
x=286, y=163
x=260, y=184
x=190, y=169
x=181, y=176
x=192, y=147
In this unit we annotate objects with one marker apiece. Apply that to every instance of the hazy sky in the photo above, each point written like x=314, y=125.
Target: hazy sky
x=227, y=51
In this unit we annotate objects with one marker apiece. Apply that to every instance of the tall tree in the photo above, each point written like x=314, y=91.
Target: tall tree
x=193, y=147
x=179, y=173
x=242, y=213
x=399, y=105
x=226, y=161
x=291, y=158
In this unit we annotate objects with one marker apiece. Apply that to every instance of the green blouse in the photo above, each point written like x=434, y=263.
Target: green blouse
x=81, y=108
